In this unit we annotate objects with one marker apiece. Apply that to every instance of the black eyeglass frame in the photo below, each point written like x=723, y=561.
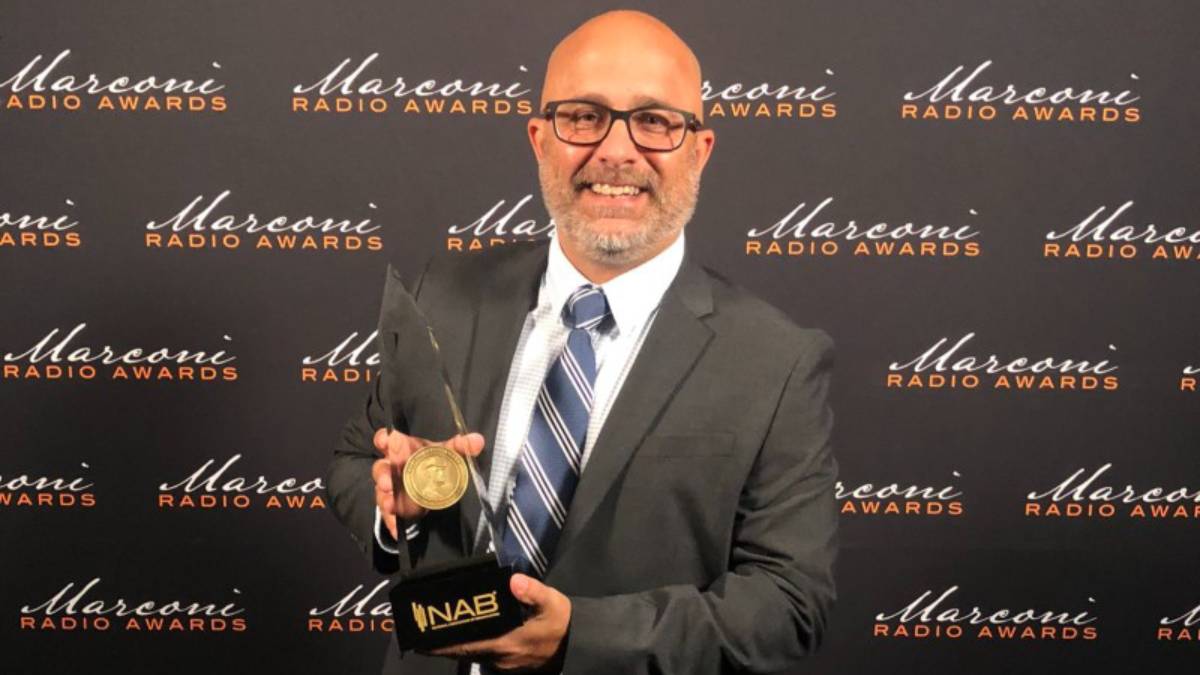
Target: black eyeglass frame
x=691, y=122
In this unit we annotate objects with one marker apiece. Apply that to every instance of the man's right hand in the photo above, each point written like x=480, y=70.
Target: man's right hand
x=395, y=449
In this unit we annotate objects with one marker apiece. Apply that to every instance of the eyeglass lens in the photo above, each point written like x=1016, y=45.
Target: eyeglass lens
x=651, y=128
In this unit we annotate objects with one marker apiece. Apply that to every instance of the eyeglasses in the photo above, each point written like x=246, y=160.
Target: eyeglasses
x=651, y=128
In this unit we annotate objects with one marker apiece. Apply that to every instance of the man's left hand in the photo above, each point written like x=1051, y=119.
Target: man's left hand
x=536, y=644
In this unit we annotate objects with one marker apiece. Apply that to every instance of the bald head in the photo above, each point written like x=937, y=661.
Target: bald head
x=615, y=202
x=624, y=59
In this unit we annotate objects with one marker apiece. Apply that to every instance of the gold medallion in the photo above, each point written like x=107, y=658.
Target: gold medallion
x=435, y=477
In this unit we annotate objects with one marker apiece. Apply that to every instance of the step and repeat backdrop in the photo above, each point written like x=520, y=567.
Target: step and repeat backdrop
x=992, y=207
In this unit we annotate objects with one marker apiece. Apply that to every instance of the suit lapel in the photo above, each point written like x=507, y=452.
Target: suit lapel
x=675, y=341
x=509, y=290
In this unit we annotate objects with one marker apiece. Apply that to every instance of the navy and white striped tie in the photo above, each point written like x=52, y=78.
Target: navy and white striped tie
x=550, y=460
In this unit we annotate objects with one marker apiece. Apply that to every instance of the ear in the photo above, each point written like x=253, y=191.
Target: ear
x=537, y=130
x=705, y=140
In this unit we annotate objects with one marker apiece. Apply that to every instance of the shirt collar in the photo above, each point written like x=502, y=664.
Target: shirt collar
x=632, y=296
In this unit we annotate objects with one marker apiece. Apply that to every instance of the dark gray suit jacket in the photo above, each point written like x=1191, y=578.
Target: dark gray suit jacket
x=703, y=530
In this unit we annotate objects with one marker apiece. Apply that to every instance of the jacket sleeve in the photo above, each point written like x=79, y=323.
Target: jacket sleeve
x=350, y=487
x=771, y=607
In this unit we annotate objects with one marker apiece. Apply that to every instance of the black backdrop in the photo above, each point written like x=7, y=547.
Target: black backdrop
x=94, y=500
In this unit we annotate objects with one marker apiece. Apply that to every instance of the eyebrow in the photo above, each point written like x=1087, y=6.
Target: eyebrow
x=640, y=101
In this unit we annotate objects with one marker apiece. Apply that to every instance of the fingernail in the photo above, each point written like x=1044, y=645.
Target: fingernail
x=519, y=584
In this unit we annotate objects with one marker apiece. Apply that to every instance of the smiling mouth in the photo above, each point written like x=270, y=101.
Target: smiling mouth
x=613, y=190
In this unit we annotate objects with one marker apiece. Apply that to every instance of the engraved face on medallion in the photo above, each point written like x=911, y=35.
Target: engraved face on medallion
x=435, y=477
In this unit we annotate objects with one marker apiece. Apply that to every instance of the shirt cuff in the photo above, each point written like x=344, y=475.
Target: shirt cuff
x=385, y=539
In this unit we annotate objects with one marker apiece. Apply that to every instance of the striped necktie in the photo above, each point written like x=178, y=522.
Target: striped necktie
x=550, y=460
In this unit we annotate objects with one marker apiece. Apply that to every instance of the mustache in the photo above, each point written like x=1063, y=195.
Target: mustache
x=588, y=175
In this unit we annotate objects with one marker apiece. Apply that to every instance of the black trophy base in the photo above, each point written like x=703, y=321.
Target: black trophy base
x=454, y=603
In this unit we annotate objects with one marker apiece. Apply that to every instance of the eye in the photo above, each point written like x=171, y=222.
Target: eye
x=658, y=121
x=651, y=119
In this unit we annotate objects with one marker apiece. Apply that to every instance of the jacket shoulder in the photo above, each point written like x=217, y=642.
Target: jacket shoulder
x=757, y=324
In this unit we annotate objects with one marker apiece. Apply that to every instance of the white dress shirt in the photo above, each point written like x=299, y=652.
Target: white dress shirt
x=633, y=299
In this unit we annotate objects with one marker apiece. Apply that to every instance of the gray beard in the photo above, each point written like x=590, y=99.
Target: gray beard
x=668, y=214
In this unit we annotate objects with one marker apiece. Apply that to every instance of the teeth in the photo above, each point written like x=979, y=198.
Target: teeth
x=615, y=190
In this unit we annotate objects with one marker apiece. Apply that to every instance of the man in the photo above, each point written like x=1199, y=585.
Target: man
x=658, y=440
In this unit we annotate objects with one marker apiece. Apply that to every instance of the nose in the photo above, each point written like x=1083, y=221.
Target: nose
x=617, y=148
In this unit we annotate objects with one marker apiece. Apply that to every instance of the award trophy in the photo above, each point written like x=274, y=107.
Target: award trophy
x=461, y=600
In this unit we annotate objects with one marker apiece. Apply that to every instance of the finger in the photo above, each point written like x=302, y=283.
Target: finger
x=381, y=473
x=469, y=445
x=381, y=440
x=385, y=497
x=530, y=591
x=400, y=447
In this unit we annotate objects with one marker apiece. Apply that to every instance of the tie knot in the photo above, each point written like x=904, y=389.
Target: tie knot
x=586, y=308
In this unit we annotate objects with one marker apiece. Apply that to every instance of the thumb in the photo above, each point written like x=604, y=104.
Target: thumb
x=529, y=591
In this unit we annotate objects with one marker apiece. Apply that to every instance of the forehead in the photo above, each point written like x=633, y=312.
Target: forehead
x=622, y=74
